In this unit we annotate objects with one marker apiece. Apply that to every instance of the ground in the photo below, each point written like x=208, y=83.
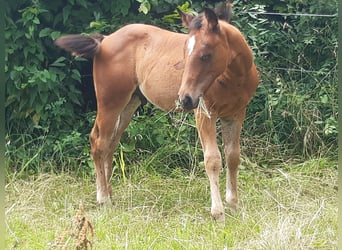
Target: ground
x=292, y=206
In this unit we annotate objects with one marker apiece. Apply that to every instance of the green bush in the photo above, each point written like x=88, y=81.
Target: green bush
x=44, y=99
x=294, y=108
x=168, y=138
x=49, y=115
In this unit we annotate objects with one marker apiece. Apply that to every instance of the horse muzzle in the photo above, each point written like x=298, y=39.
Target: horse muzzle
x=187, y=103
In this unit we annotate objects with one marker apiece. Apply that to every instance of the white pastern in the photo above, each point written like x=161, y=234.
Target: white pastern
x=191, y=44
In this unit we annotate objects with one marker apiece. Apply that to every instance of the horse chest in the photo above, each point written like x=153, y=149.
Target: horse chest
x=225, y=99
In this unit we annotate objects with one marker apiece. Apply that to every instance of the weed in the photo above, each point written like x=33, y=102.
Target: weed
x=81, y=227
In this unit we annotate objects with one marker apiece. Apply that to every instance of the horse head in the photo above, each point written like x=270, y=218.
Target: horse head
x=206, y=55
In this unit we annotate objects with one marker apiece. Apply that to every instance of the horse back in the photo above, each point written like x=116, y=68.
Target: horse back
x=149, y=57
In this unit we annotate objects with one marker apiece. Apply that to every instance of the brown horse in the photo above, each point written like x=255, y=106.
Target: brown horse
x=211, y=66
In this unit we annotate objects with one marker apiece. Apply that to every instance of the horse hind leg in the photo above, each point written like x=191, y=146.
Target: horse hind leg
x=104, y=138
x=231, y=130
x=100, y=144
x=122, y=123
x=213, y=162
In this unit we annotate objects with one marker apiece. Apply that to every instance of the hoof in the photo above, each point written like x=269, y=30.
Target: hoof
x=218, y=216
x=102, y=199
x=233, y=207
x=232, y=203
x=106, y=204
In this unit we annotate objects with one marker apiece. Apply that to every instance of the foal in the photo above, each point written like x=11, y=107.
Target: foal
x=212, y=65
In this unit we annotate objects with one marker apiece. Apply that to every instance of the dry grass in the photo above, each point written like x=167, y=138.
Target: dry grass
x=292, y=207
x=79, y=231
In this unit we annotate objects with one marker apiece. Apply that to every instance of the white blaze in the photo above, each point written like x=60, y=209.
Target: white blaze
x=191, y=44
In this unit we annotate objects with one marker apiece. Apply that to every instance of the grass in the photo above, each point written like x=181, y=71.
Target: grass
x=281, y=207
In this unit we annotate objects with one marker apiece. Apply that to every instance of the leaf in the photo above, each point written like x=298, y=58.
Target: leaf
x=43, y=97
x=324, y=99
x=10, y=100
x=80, y=59
x=33, y=96
x=59, y=62
x=129, y=147
x=55, y=34
x=36, y=118
x=39, y=108
x=76, y=75
x=66, y=13
x=13, y=75
x=28, y=112
x=74, y=99
x=36, y=20
x=145, y=7
x=53, y=77
x=18, y=68
x=45, y=32
x=23, y=105
x=96, y=24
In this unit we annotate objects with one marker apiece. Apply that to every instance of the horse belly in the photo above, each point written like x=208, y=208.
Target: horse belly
x=162, y=90
x=160, y=83
x=159, y=59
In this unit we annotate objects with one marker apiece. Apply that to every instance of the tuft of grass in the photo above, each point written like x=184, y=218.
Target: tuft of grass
x=281, y=207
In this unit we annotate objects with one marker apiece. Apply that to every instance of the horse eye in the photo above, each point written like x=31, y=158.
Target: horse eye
x=205, y=57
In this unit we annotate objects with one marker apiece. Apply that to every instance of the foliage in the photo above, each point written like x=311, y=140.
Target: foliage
x=37, y=99
x=44, y=99
x=50, y=102
x=295, y=106
x=169, y=137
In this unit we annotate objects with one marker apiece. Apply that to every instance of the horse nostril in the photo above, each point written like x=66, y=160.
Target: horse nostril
x=187, y=103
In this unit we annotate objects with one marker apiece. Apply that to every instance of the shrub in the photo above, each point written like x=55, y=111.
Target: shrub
x=50, y=100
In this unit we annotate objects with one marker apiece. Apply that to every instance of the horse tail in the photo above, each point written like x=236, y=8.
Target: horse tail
x=81, y=45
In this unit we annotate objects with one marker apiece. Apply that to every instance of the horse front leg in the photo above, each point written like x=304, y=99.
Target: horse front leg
x=231, y=130
x=213, y=162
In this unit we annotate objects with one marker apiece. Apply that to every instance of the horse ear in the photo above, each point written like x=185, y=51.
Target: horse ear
x=186, y=18
x=224, y=11
x=212, y=20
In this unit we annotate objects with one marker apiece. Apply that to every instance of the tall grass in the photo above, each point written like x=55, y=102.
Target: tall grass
x=281, y=207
